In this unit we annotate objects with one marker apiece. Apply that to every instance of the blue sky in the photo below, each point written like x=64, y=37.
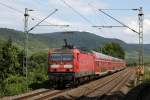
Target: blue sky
x=66, y=16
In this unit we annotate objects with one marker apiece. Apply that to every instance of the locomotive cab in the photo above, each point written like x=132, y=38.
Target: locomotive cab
x=61, y=66
x=61, y=62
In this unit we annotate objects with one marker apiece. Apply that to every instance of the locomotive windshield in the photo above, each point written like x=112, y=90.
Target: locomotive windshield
x=61, y=57
x=56, y=57
x=67, y=57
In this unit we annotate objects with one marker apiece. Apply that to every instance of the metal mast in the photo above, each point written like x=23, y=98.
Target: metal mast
x=26, y=32
x=25, y=61
x=141, y=51
x=25, y=64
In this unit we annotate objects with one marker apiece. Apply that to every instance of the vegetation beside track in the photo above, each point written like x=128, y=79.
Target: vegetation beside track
x=12, y=74
x=112, y=49
x=147, y=74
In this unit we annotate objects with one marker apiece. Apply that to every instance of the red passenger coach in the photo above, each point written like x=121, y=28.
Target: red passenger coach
x=74, y=66
x=107, y=64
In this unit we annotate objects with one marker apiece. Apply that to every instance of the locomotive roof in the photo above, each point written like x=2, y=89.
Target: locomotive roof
x=104, y=56
x=61, y=50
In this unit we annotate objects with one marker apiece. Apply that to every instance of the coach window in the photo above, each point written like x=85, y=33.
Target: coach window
x=77, y=56
x=97, y=63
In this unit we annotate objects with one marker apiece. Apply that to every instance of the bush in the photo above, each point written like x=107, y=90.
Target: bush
x=38, y=67
x=14, y=85
x=147, y=74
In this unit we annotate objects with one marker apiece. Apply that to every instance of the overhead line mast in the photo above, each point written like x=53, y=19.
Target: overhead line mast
x=25, y=61
x=141, y=51
x=26, y=31
x=139, y=32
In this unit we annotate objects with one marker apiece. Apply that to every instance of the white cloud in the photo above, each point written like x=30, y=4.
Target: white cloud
x=147, y=26
x=134, y=25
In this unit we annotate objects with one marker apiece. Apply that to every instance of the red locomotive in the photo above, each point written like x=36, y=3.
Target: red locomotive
x=74, y=66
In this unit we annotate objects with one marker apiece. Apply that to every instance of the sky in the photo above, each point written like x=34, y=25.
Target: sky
x=81, y=15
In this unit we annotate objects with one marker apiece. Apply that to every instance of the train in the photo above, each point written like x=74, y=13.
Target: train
x=74, y=66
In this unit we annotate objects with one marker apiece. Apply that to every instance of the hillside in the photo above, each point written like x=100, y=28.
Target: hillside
x=84, y=40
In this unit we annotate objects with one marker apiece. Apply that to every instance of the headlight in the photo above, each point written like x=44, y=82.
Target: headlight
x=54, y=66
x=68, y=66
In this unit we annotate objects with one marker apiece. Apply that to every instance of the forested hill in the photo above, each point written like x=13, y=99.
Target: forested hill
x=50, y=40
x=84, y=40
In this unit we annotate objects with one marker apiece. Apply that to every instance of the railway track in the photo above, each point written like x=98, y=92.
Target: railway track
x=46, y=96
x=30, y=95
x=105, y=85
x=99, y=87
x=42, y=95
x=110, y=86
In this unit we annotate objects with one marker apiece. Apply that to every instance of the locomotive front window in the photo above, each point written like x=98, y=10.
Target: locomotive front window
x=67, y=57
x=56, y=57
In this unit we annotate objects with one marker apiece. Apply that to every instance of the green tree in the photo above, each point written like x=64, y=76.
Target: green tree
x=12, y=80
x=21, y=56
x=9, y=64
x=38, y=67
x=113, y=49
x=9, y=60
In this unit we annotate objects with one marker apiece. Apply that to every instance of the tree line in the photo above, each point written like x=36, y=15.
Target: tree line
x=12, y=73
x=112, y=49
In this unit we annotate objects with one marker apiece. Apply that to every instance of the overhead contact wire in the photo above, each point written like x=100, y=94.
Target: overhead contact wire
x=83, y=17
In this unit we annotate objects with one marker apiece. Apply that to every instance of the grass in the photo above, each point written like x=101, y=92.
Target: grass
x=147, y=73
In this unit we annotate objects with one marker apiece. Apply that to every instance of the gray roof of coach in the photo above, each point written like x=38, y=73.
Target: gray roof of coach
x=103, y=56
